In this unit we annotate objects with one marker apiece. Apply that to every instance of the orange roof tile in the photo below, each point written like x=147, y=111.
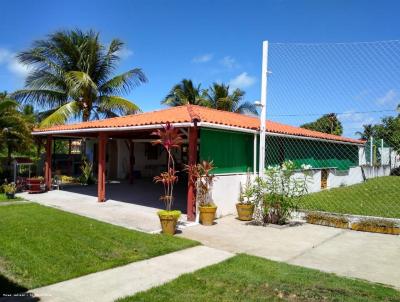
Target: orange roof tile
x=189, y=113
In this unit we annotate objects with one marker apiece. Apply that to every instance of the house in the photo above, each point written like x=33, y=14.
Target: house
x=120, y=148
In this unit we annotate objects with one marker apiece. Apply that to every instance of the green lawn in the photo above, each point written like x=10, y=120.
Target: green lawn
x=376, y=197
x=249, y=278
x=41, y=245
x=3, y=197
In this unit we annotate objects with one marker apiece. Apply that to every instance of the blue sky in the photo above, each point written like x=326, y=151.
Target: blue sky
x=211, y=41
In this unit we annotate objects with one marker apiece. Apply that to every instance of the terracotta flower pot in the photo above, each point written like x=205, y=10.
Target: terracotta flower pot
x=168, y=222
x=10, y=195
x=245, y=211
x=207, y=215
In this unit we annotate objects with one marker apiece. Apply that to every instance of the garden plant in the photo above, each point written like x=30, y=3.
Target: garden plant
x=202, y=176
x=278, y=193
x=245, y=206
x=170, y=139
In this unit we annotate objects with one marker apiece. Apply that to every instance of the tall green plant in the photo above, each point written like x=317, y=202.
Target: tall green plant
x=15, y=129
x=169, y=138
x=279, y=192
x=71, y=78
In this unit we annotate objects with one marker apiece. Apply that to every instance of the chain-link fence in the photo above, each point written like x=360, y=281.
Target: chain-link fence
x=342, y=99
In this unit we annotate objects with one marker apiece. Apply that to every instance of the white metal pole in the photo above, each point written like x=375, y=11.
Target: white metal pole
x=255, y=154
x=382, y=151
x=264, y=70
x=371, y=156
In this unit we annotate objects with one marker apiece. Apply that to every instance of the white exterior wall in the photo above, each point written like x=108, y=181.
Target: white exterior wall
x=361, y=156
x=226, y=187
x=372, y=172
x=225, y=192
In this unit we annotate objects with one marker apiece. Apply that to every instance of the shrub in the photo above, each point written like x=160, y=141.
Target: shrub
x=278, y=194
x=87, y=177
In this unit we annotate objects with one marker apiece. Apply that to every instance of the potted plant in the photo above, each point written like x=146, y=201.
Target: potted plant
x=245, y=206
x=169, y=139
x=36, y=184
x=202, y=176
x=10, y=190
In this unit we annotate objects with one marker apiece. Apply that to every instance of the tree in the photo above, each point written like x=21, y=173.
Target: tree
x=328, y=123
x=15, y=132
x=220, y=98
x=70, y=78
x=185, y=93
x=388, y=130
x=367, y=132
x=217, y=96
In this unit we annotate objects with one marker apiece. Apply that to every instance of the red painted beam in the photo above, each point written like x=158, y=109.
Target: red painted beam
x=47, y=163
x=101, y=179
x=191, y=195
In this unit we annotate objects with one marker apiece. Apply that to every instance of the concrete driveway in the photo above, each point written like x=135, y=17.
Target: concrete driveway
x=373, y=257
x=128, y=215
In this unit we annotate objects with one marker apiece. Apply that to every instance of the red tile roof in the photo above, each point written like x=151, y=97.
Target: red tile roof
x=189, y=113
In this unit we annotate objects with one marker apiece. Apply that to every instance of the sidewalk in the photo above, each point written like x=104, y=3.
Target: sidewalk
x=109, y=285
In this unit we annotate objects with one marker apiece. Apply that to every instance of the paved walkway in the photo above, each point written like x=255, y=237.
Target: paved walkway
x=109, y=285
x=369, y=256
x=128, y=215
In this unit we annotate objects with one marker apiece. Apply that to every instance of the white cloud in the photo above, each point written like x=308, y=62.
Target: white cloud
x=8, y=59
x=228, y=62
x=390, y=97
x=242, y=81
x=124, y=53
x=203, y=58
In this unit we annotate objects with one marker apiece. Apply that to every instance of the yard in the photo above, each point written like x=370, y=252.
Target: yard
x=3, y=197
x=376, y=197
x=41, y=245
x=249, y=278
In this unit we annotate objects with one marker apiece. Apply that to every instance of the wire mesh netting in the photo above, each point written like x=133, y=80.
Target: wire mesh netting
x=344, y=99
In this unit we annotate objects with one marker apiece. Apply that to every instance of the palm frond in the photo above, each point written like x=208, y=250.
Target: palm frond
x=247, y=108
x=124, y=82
x=61, y=114
x=45, y=98
x=79, y=81
x=117, y=105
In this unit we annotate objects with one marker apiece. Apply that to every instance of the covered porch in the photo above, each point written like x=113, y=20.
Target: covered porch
x=124, y=163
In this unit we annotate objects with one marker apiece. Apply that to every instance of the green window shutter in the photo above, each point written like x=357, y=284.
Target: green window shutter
x=231, y=152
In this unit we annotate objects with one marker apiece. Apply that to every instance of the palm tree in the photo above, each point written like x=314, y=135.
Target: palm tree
x=70, y=78
x=367, y=132
x=220, y=98
x=185, y=93
x=15, y=129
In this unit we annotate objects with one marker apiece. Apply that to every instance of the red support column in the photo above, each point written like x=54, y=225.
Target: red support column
x=191, y=195
x=47, y=164
x=101, y=179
